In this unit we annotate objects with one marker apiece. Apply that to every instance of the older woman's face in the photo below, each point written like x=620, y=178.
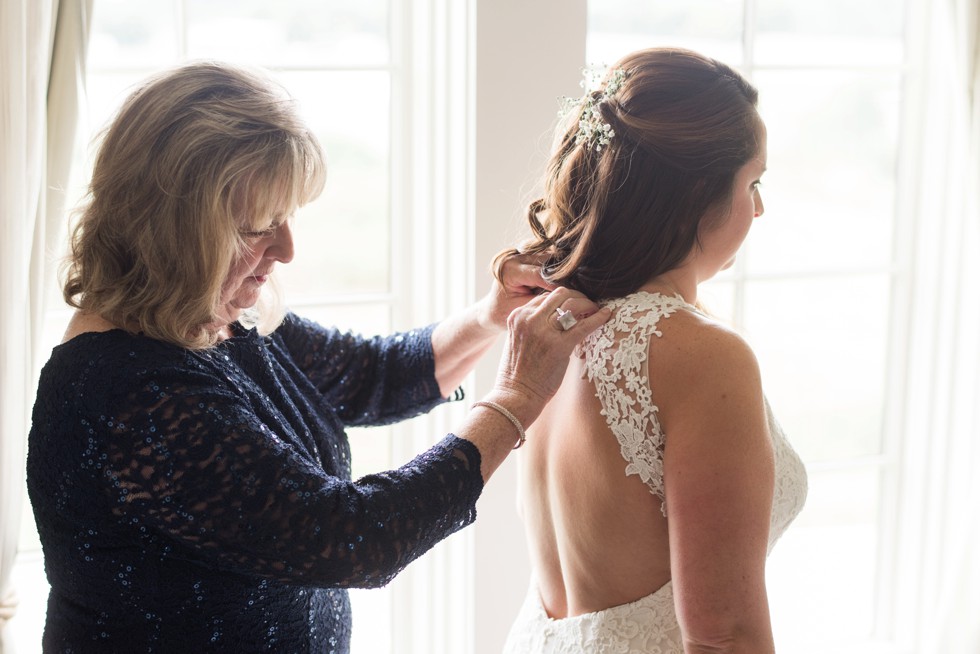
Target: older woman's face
x=251, y=269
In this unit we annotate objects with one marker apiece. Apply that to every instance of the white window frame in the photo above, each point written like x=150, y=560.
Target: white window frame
x=486, y=82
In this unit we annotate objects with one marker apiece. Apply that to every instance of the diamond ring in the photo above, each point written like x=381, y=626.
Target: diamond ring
x=565, y=319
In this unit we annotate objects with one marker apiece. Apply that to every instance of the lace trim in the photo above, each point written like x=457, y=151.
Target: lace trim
x=616, y=362
x=646, y=625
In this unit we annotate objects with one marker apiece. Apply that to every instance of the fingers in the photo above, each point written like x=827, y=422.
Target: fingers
x=574, y=302
x=584, y=315
x=524, y=273
x=534, y=361
x=575, y=309
x=579, y=306
x=588, y=324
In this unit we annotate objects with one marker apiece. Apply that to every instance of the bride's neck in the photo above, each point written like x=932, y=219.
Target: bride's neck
x=674, y=282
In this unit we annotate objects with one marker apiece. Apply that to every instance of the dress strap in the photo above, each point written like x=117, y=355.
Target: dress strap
x=616, y=363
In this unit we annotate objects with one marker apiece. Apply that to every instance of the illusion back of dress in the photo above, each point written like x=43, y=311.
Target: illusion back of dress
x=595, y=603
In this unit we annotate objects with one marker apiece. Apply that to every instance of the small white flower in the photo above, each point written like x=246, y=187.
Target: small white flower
x=592, y=131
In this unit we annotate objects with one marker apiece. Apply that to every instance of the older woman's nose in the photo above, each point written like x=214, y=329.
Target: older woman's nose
x=281, y=247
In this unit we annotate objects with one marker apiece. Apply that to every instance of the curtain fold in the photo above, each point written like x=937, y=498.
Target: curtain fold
x=66, y=89
x=42, y=50
x=954, y=626
x=26, y=28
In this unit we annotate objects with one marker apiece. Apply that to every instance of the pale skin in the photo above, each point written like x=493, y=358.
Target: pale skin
x=523, y=305
x=598, y=538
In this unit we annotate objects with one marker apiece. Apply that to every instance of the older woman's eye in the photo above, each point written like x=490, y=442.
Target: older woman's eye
x=269, y=231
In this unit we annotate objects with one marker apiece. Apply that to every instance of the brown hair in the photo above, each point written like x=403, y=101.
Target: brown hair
x=194, y=157
x=613, y=219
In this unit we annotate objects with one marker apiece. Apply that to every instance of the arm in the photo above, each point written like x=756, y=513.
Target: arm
x=189, y=463
x=382, y=380
x=367, y=381
x=459, y=341
x=718, y=476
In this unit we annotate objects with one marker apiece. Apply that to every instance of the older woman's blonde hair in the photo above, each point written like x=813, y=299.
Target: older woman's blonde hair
x=195, y=157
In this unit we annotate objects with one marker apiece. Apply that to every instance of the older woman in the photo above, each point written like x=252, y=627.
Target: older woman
x=188, y=466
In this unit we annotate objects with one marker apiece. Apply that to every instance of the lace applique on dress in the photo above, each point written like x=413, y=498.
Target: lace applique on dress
x=616, y=362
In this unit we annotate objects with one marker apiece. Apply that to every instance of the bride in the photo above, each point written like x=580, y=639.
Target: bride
x=655, y=483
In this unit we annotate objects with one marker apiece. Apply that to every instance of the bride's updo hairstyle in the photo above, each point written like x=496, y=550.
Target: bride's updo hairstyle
x=637, y=167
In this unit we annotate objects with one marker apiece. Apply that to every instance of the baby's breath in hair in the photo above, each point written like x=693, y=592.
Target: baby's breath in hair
x=592, y=129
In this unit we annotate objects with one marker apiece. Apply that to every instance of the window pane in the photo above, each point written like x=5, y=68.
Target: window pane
x=823, y=364
x=822, y=571
x=368, y=319
x=717, y=298
x=617, y=27
x=132, y=33
x=286, y=33
x=372, y=611
x=25, y=629
x=838, y=32
x=105, y=94
x=829, y=192
x=343, y=239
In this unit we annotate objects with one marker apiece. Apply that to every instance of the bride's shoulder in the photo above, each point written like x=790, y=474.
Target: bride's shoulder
x=694, y=347
x=683, y=341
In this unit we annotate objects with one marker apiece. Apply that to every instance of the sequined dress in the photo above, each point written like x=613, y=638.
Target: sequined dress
x=201, y=501
x=615, y=361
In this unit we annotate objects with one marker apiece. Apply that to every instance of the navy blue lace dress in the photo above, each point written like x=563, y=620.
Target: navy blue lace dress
x=201, y=501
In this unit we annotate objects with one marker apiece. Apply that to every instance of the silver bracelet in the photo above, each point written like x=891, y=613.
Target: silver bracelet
x=522, y=437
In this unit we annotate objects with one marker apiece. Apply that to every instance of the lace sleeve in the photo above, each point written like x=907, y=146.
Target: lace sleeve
x=190, y=467
x=369, y=381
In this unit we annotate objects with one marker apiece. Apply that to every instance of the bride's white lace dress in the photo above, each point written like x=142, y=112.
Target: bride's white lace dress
x=615, y=357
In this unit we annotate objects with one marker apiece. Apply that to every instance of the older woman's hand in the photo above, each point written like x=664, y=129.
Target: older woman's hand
x=520, y=281
x=459, y=341
x=538, y=347
x=532, y=367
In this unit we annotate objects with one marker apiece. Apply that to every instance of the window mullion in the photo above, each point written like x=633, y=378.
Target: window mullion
x=430, y=263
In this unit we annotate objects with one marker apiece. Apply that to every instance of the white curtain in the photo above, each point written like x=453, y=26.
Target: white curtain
x=950, y=601
x=42, y=48
x=957, y=620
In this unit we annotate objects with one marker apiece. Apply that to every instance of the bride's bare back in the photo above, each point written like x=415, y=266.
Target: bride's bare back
x=597, y=537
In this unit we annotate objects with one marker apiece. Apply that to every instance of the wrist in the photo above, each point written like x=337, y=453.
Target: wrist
x=524, y=407
x=503, y=411
x=486, y=317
